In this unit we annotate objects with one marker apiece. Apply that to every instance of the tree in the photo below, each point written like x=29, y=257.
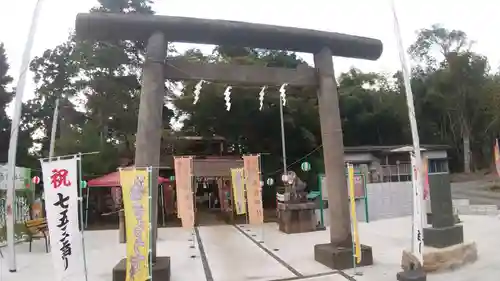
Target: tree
x=372, y=112
x=458, y=77
x=98, y=85
x=456, y=101
x=245, y=127
x=5, y=98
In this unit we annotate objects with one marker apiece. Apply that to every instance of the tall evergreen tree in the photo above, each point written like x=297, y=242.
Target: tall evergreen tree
x=5, y=98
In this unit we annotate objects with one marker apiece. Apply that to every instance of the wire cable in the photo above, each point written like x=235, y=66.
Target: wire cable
x=297, y=161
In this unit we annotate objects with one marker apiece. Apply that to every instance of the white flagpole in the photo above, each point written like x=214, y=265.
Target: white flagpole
x=54, y=130
x=417, y=234
x=14, y=131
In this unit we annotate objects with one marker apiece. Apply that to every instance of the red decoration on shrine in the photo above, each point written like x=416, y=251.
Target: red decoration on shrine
x=35, y=180
x=59, y=177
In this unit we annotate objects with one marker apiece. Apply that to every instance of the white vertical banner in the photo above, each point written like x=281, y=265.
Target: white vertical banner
x=60, y=179
x=417, y=237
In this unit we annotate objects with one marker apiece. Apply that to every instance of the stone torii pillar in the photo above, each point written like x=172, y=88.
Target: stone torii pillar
x=147, y=28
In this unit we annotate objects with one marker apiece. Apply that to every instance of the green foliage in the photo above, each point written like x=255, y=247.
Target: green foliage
x=5, y=98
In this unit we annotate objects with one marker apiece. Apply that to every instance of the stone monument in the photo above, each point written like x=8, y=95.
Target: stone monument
x=296, y=213
x=158, y=30
x=444, y=241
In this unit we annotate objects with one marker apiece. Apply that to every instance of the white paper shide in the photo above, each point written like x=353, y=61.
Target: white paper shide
x=61, y=201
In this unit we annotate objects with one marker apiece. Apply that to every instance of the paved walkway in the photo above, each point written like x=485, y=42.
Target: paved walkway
x=477, y=192
x=259, y=253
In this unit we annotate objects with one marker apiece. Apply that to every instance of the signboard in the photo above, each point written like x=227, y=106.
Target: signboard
x=238, y=183
x=184, y=188
x=254, y=190
x=359, y=186
x=61, y=206
x=135, y=189
x=22, y=177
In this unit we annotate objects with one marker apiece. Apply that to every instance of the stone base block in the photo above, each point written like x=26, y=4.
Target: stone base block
x=296, y=217
x=339, y=257
x=412, y=275
x=443, y=236
x=161, y=269
x=456, y=218
x=449, y=258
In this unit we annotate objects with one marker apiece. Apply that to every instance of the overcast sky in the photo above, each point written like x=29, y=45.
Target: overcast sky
x=372, y=18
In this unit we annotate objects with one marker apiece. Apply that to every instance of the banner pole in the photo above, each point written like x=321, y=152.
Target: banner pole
x=367, y=215
x=356, y=247
x=150, y=230
x=87, y=207
x=351, y=194
x=193, y=185
x=261, y=184
x=247, y=219
x=321, y=202
x=80, y=192
x=163, y=212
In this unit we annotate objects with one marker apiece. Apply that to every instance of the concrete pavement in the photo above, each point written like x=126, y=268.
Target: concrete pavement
x=244, y=252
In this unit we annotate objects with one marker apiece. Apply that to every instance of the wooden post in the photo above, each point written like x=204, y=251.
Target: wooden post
x=122, y=234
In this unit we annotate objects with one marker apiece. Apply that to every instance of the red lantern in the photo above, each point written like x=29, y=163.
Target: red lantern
x=35, y=180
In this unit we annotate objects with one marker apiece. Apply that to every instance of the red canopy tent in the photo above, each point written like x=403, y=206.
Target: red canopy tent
x=113, y=180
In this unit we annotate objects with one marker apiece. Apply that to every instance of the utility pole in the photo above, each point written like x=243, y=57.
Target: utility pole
x=14, y=133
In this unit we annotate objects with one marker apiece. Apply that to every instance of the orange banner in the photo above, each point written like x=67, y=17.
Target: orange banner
x=497, y=157
x=184, y=189
x=254, y=190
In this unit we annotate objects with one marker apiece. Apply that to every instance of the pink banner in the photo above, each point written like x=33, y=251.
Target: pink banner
x=425, y=176
x=254, y=190
x=184, y=188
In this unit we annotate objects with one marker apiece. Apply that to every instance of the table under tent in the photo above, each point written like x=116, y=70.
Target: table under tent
x=103, y=201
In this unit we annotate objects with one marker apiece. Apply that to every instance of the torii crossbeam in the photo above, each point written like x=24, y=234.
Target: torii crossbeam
x=158, y=30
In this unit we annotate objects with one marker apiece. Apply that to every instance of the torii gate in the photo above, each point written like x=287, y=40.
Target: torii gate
x=158, y=30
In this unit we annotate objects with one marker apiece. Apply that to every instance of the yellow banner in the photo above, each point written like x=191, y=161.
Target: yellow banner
x=254, y=190
x=135, y=188
x=238, y=191
x=354, y=220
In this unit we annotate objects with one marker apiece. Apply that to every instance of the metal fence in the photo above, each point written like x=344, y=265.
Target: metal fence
x=391, y=173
